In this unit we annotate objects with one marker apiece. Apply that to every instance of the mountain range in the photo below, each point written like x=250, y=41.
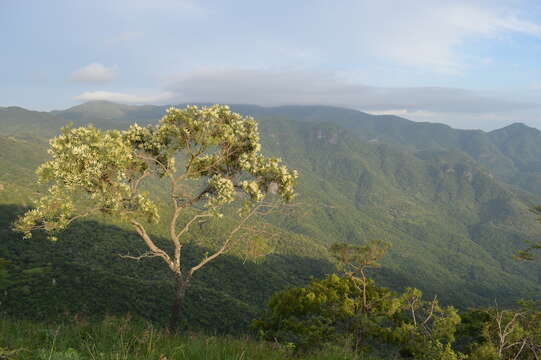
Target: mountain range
x=454, y=204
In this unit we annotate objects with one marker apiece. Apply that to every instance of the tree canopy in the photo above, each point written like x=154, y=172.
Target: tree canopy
x=209, y=158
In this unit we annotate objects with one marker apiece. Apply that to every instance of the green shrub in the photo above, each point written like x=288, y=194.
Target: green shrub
x=333, y=311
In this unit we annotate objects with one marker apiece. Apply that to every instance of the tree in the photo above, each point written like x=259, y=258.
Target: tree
x=209, y=158
x=511, y=333
x=323, y=312
x=353, y=306
x=354, y=260
x=425, y=329
x=331, y=310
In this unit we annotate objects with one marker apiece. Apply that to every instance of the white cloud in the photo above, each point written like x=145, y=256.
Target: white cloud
x=518, y=25
x=404, y=113
x=161, y=98
x=94, y=73
x=429, y=34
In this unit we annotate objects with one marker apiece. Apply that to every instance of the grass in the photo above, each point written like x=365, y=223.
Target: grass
x=126, y=339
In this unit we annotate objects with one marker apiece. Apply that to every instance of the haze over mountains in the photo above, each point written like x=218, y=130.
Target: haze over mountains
x=453, y=203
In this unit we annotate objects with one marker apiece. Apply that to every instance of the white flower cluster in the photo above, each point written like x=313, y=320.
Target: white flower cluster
x=87, y=165
x=52, y=213
x=220, y=142
x=252, y=189
x=221, y=192
x=101, y=167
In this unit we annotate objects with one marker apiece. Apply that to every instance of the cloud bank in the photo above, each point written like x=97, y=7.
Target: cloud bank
x=459, y=107
x=161, y=98
x=265, y=87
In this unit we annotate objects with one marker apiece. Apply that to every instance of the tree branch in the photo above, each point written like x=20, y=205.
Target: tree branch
x=431, y=310
x=226, y=243
x=148, y=254
x=136, y=183
x=189, y=223
x=153, y=248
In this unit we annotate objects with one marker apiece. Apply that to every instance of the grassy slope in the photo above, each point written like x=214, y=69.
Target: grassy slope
x=116, y=338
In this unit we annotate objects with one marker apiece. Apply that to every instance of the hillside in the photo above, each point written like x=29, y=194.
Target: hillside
x=454, y=204
x=511, y=153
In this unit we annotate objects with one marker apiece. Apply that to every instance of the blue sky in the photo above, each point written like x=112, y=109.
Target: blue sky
x=470, y=64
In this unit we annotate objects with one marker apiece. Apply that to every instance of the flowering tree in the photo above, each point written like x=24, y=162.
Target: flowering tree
x=219, y=165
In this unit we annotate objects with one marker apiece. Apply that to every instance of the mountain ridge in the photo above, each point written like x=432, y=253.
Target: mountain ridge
x=389, y=117
x=454, y=221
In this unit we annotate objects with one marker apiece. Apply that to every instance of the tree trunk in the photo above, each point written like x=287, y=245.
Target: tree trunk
x=364, y=291
x=181, y=285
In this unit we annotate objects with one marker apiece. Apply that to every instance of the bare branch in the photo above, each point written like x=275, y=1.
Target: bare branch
x=150, y=244
x=194, y=199
x=226, y=243
x=137, y=182
x=85, y=214
x=190, y=222
x=412, y=308
x=148, y=254
x=520, y=350
x=431, y=310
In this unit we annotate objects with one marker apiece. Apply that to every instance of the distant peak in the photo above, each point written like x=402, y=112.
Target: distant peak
x=96, y=106
x=98, y=103
x=518, y=126
x=516, y=129
x=18, y=109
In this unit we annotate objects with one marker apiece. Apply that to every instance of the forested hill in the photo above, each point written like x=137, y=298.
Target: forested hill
x=512, y=153
x=453, y=203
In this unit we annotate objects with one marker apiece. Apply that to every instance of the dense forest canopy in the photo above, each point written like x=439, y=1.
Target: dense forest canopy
x=454, y=217
x=416, y=192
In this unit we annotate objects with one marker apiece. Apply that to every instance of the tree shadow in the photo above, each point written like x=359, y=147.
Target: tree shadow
x=83, y=274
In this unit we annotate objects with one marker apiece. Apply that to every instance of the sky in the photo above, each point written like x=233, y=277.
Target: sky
x=467, y=63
